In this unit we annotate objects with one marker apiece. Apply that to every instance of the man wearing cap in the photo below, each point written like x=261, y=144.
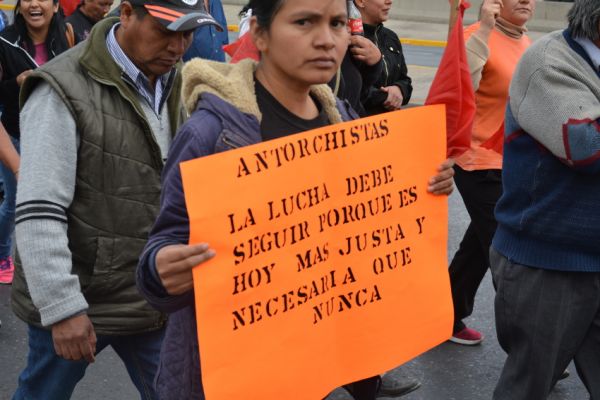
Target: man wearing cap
x=97, y=123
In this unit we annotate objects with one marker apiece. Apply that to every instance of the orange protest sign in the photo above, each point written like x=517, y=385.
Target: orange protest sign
x=331, y=256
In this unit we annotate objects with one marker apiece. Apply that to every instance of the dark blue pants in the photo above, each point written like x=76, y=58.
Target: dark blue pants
x=48, y=376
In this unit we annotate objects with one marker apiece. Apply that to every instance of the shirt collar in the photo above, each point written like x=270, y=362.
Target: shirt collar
x=155, y=96
x=591, y=49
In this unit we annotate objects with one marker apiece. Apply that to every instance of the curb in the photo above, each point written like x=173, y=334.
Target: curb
x=423, y=42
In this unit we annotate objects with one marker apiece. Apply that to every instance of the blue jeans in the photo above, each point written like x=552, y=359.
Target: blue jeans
x=48, y=376
x=7, y=208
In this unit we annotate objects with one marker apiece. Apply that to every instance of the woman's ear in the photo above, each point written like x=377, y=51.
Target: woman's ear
x=360, y=3
x=260, y=36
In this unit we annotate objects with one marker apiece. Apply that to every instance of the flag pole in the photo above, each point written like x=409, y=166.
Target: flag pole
x=454, y=10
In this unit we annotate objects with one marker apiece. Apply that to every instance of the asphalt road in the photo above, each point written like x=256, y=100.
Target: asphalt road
x=448, y=372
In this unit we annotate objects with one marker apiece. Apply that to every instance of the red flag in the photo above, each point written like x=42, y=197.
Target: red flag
x=452, y=86
x=496, y=141
x=242, y=48
x=68, y=6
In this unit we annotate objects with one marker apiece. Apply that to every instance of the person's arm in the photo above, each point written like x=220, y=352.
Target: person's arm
x=8, y=154
x=561, y=112
x=399, y=86
x=402, y=80
x=374, y=97
x=370, y=74
x=164, y=273
x=45, y=191
x=476, y=45
x=368, y=61
x=9, y=87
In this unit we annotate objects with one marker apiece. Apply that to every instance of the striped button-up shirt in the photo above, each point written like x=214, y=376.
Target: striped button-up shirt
x=155, y=96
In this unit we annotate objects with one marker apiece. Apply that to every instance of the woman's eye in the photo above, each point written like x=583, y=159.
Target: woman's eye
x=302, y=22
x=339, y=24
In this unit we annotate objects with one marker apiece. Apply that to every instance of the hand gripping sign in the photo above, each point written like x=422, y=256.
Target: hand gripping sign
x=331, y=256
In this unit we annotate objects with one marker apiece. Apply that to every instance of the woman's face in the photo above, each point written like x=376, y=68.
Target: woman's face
x=374, y=12
x=38, y=13
x=518, y=12
x=306, y=41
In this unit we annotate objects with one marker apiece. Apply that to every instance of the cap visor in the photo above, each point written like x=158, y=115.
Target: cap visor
x=181, y=19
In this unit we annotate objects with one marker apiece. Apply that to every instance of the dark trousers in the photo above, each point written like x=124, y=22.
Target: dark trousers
x=545, y=319
x=480, y=191
x=365, y=389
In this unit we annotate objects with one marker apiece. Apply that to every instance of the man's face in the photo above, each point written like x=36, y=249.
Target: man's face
x=96, y=9
x=150, y=46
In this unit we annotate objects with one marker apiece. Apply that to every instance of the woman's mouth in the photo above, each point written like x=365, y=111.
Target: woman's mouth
x=323, y=62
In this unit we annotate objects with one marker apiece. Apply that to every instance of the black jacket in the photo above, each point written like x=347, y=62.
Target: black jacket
x=355, y=80
x=14, y=59
x=394, y=72
x=82, y=25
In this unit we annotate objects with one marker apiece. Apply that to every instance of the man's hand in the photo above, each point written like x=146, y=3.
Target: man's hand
x=442, y=183
x=394, y=99
x=364, y=50
x=174, y=265
x=490, y=11
x=22, y=76
x=74, y=338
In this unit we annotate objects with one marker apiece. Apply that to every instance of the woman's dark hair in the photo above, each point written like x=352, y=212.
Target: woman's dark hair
x=56, y=41
x=264, y=11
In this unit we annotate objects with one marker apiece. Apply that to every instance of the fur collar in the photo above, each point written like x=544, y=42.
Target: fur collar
x=234, y=83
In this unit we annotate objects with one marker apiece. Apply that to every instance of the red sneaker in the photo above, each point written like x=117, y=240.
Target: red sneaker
x=467, y=337
x=7, y=270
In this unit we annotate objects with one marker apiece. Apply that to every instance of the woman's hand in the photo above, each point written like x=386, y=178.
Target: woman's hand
x=490, y=11
x=394, y=99
x=364, y=50
x=174, y=265
x=443, y=182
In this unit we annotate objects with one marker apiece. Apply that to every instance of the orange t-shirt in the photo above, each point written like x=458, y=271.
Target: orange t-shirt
x=491, y=97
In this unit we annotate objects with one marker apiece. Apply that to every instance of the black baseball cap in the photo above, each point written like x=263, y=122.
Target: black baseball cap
x=178, y=15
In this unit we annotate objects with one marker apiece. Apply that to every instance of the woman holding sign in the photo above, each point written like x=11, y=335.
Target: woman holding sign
x=302, y=43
